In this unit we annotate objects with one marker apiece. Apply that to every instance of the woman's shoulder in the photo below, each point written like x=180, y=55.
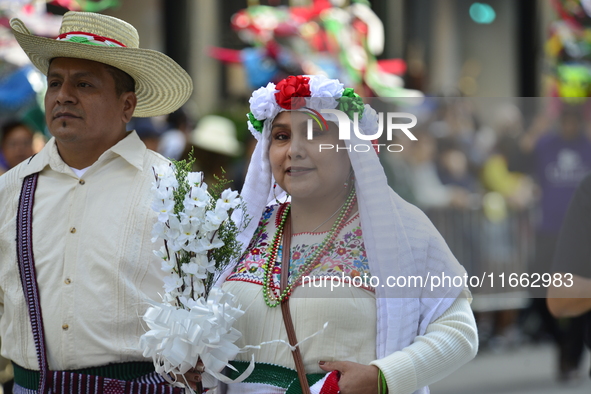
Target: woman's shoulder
x=268, y=220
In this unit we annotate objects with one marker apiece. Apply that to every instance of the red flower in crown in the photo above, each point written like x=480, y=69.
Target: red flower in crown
x=292, y=91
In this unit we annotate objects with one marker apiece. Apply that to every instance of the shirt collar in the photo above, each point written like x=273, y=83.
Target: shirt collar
x=130, y=148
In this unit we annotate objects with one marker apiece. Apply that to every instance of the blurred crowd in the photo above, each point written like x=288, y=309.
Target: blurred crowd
x=498, y=191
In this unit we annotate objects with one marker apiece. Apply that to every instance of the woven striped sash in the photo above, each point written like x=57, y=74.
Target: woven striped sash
x=64, y=382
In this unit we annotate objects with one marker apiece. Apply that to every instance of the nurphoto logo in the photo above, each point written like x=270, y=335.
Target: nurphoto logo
x=344, y=123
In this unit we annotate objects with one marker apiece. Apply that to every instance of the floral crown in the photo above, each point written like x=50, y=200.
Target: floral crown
x=291, y=93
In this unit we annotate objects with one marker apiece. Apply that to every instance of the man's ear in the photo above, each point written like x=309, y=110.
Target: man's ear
x=129, y=102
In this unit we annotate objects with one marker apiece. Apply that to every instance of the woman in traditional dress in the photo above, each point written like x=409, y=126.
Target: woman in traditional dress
x=330, y=200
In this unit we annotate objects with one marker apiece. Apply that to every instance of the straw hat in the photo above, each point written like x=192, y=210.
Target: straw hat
x=162, y=86
x=216, y=134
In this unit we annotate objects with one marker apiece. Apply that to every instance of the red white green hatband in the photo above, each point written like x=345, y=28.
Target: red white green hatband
x=89, y=38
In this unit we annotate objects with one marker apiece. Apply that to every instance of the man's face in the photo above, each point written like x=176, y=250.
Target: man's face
x=81, y=103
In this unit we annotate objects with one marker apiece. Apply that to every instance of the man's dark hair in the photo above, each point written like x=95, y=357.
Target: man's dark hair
x=123, y=81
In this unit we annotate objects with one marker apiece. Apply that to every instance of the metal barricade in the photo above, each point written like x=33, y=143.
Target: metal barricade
x=494, y=251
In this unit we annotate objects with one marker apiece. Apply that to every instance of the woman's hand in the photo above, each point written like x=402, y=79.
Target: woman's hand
x=193, y=376
x=355, y=378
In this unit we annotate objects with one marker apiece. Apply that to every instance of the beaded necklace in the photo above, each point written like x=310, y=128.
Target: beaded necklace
x=272, y=296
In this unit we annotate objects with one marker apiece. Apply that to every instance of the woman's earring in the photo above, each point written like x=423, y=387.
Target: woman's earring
x=351, y=179
x=275, y=195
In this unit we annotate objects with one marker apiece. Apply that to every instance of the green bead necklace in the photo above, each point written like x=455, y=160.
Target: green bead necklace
x=274, y=297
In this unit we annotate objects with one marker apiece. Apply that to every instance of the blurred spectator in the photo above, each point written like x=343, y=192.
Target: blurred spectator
x=516, y=187
x=173, y=142
x=16, y=144
x=558, y=158
x=453, y=166
x=147, y=132
x=426, y=185
x=456, y=121
x=215, y=146
x=506, y=191
x=573, y=256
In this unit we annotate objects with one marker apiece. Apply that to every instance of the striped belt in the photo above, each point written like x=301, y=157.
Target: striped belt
x=29, y=379
x=274, y=375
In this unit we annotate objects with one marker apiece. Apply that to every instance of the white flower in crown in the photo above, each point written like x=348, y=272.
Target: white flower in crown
x=263, y=104
x=369, y=122
x=325, y=91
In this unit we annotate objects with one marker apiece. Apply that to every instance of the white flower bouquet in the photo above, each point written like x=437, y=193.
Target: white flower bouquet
x=194, y=320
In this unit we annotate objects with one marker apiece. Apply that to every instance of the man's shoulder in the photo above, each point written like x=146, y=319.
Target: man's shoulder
x=152, y=158
x=13, y=177
x=10, y=188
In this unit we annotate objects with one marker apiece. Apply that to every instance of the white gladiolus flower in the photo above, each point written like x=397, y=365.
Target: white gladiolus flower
x=194, y=212
x=166, y=176
x=174, y=228
x=159, y=231
x=172, y=282
x=215, y=218
x=197, y=197
x=167, y=265
x=190, y=268
x=194, y=178
x=161, y=253
x=210, y=267
x=228, y=200
x=188, y=229
x=164, y=209
x=162, y=193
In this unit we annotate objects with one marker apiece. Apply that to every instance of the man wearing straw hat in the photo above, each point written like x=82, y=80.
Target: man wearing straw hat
x=75, y=281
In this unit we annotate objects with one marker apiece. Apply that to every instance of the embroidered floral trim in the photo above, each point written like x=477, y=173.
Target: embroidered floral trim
x=345, y=257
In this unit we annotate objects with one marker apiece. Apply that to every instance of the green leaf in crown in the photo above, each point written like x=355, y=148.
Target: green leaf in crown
x=257, y=124
x=350, y=102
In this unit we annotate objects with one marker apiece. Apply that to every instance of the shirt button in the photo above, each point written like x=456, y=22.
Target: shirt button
x=65, y=327
x=73, y=230
x=81, y=181
x=67, y=281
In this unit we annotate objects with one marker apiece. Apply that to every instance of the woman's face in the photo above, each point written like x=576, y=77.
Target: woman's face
x=18, y=145
x=307, y=168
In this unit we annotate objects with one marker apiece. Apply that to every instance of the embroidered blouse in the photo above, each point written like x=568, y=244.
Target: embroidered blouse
x=344, y=258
